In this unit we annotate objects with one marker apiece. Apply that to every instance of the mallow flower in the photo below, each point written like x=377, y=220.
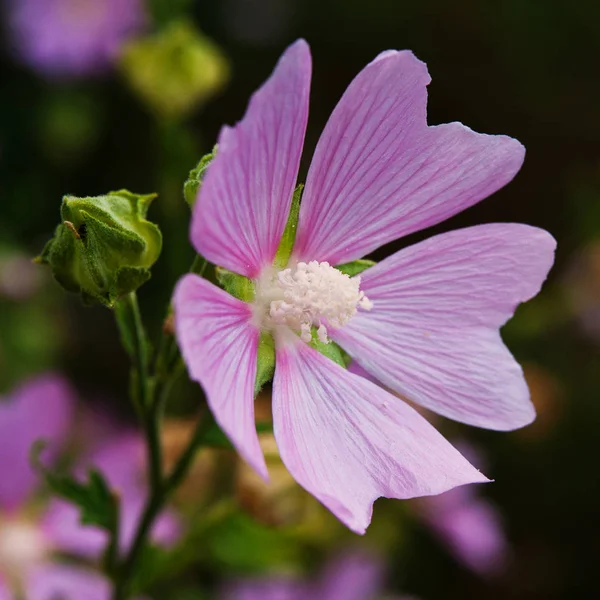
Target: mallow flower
x=73, y=38
x=423, y=322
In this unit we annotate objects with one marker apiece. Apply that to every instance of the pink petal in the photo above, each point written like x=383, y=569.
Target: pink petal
x=276, y=587
x=5, y=593
x=244, y=201
x=471, y=528
x=379, y=172
x=62, y=526
x=40, y=408
x=355, y=575
x=53, y=581
x=122, y=461
x=348, y=441
x=219, y=345
x=432, y=335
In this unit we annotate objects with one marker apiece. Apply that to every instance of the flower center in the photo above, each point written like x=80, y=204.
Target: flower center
x=313, y=294
x=21, y=545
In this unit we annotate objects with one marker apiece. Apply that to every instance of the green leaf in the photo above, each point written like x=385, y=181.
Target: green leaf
x=265, y=363
x=242, y=544
x=286, y=245
x=194, y=180
x=238, y=286
x=97, y=504
x=355, y=267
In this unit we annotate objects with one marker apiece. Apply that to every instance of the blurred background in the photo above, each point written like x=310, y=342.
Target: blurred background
x=98, y=95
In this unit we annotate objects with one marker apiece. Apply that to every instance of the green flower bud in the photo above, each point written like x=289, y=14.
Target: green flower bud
x=104, y=247
x=174, y=70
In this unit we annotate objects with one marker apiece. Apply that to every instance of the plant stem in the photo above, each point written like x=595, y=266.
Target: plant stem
x=135, y=340
x=156, y=502
x=151, y=391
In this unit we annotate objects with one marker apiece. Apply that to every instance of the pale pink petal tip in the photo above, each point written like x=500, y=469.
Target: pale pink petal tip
x=244, y=201
x=433, y=334
x=219, y=345
x=348, y=441
x=380, y=173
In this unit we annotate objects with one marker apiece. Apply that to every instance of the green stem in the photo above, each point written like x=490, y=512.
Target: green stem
x=135, y=340
x=156, y=502
x=151, y=393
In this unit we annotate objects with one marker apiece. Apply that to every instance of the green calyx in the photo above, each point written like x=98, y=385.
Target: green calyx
x=331, y=350
x=265, y=361
x=355, y=267
x=194, y=181
x=286, y=245
x=104, y=247
x=238, y=286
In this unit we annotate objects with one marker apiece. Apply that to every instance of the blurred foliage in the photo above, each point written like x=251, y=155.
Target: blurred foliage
x=526, y=69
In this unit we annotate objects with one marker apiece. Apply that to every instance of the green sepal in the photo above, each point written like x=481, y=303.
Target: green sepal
x=104, y=247
x=331, y=350
x=355, y=267
x=194, y=180
x=97, y=504
x=265, y=362
x=238, y=286
x=132, y=278
x=286, y=245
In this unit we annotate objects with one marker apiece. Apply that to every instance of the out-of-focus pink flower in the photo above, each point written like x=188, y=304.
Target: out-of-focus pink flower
x=351, y=576
x=30, y=533
x=469, y=525
x=122, y=462
x=71, y=38
x=425, y=321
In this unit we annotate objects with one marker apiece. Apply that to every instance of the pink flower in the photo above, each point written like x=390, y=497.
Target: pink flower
x=469, y=525
x=351, y=576
x=31, y=533
x=73, y=38
x=424, y=322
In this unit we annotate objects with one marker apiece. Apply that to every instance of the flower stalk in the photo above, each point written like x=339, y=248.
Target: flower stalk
x=150, y=390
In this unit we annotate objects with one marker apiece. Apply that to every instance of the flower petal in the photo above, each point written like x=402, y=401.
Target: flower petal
x=5, y=593
x=471, y=527
x=61, y=520
x=348, y=441
x=354, y=575
x=219, y=345
x=276, y=587
x=51, y=581
x=432, y=335
x=40, y=408
x=244, y=201
x=379, y=172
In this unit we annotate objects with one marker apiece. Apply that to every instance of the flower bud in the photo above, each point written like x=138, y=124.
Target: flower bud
x=175, y=70
x=104, y=247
